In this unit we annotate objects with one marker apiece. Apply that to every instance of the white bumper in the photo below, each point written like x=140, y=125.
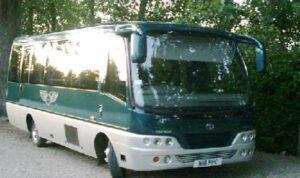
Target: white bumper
x=139, y=157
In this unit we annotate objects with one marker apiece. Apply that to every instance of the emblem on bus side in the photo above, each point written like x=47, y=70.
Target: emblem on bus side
x=209, y=126
x=48, y=97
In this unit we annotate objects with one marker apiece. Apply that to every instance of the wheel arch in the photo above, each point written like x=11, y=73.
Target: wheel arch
x=29, y=122
x=100, y=144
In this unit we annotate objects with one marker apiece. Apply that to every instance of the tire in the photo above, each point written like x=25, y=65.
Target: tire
x=36, y=139
x=115, y=170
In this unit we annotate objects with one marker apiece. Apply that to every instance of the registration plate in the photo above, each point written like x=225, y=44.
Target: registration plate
x=208, y=162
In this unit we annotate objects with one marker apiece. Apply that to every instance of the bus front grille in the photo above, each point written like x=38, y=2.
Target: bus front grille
x=187, y=158
x=197, y=141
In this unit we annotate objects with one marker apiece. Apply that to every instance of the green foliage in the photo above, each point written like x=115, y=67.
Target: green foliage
x=40, y=16
x=277, y=92
x=150, y=10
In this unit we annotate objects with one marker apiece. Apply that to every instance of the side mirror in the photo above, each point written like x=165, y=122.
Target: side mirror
x=260, y=51
x=138, y=48
x=260, y=59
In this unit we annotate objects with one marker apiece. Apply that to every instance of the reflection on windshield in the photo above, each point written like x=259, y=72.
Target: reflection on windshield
x=190, y=71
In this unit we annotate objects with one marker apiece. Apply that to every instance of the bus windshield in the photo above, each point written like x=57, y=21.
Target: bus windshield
x=190, y=71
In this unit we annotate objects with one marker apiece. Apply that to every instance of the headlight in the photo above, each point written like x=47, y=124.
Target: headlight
x=244, y=137
x=147, y=141
x=169, y=142
x=251, y=136
x=247, y=136
x=157, y=141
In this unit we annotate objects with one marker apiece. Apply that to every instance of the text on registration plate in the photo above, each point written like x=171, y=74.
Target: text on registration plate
x=208, y=162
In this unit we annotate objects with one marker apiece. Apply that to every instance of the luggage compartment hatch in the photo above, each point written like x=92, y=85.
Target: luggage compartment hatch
x=71, y=135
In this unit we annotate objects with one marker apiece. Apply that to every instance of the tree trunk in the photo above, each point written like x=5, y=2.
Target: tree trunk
x=30, y=16
x=9, y=28
x=53, y=16
x=92, y=11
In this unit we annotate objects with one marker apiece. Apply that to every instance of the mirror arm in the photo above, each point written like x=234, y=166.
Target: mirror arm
x=260, y=50
x=127, y=29
x=250, y=40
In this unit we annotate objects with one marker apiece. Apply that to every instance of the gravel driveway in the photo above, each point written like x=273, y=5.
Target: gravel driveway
x=20, y=158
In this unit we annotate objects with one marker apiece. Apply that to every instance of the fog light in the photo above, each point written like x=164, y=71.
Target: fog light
x=147, y=141
x=169, y=142
x=155, y=159
x=250, y=152
x=157, y=141
x=244, y=153
x=167, y=159
x=244, y=137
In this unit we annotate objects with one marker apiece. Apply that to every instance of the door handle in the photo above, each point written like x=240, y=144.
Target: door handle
x=21, y=88
x=100, y=110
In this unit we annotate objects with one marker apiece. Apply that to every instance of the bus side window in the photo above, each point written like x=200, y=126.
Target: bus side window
x=55, y=60
x=73, y=64
x=37, y=71
x=38, y=62
x=15, y=64
x=116, y=75
x=25, y=66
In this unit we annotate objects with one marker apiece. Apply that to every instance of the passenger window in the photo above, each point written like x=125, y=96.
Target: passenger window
x=76, y=64
x=38, y=62
x=57, y=64
x=116, y=77
x=25, y=65
x=15, y=64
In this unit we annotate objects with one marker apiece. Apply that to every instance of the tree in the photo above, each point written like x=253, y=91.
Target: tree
x=9, y=29
x=276, y=93
x=92, y=11
x=40, y=16
x=151, y=10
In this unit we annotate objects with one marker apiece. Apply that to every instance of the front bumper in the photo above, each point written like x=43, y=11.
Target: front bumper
x=135, y=155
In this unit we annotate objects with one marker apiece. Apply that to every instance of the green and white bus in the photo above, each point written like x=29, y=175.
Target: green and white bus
x=136, y=95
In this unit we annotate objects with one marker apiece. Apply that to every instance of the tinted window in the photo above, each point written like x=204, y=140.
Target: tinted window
x=82, y=63
x=76, y=63
x=38, y=62
x=56, y=66
x=25, y=65
x=115, y=81
x=193, y=71
x=15, y=64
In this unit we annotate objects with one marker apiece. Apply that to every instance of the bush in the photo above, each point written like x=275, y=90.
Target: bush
x=277, y=97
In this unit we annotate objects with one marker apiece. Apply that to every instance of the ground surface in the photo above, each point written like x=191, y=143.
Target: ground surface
x=20, y=158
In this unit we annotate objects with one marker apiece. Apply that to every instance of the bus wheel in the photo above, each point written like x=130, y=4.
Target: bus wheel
x=36, y=139
x=115, y=170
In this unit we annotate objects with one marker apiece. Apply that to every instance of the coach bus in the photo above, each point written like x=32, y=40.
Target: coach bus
x=139, y=96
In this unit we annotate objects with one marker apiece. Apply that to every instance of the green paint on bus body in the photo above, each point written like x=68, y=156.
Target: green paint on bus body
x=83, y=104
x=189, y=129
x=77, y=103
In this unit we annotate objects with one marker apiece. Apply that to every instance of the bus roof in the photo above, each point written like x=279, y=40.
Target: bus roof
x=110, y=28
x=144, y=27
